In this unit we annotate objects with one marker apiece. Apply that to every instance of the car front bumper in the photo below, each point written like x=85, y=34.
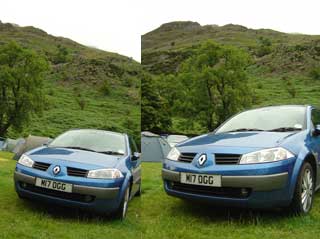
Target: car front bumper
x=98, y=199
x=256, y=182
x=262, y=186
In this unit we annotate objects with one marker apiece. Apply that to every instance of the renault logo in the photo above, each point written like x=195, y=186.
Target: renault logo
x=202, y=159
x=56, y=170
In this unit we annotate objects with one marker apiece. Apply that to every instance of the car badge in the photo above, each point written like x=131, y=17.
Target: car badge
x=56, y=170
x=202, y=159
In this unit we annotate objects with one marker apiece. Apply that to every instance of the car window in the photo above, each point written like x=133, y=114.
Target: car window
x=268, y=118
x=315, y=117
x=133, y=146
x=95, y=140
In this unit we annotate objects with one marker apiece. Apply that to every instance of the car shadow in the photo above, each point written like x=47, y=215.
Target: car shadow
x=66, y=213
x=221, y=214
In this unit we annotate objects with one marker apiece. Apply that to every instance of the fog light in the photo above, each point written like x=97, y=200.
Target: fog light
x=244, y=191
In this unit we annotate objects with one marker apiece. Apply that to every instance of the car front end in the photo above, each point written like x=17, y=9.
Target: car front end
x=250, y=185
x=249, y=161
x=72, y=186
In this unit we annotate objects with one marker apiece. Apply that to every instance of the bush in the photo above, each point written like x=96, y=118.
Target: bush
x=315, y=73
x=105, y=88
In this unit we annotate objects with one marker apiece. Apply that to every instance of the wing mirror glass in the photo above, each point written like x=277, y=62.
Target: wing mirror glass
x=316, y=131
x=135, y=156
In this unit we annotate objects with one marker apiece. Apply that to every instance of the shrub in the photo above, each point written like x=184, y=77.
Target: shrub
x=105, y=88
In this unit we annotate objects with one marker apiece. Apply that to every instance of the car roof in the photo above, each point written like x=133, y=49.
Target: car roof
x=101, y=130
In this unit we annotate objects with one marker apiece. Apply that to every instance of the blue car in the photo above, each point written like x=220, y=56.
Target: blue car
x=261, y=158
x=89, y=169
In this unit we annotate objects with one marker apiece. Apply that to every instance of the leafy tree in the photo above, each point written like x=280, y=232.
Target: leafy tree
x=21, y=86
x=215, y=84
x=155, y=115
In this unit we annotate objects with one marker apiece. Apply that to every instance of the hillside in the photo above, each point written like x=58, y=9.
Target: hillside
x=279, y=60
x=107, y=85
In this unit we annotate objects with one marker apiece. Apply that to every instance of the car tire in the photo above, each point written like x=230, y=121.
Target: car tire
x=138, y=193
x=122, y=210
x=304, y=191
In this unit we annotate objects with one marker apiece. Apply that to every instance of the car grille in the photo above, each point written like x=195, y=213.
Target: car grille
x=210, y=191
x=77, y=172
x=41, y=166
x=58, y=194
x=227, y=158
x=186, y=157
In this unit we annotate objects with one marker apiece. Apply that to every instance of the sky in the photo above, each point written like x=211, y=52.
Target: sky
x=117, y=25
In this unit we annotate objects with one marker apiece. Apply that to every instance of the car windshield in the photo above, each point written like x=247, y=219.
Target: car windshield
x=281, y=119
x=91, y=140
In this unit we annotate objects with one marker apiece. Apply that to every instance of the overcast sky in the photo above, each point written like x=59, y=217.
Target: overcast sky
x=117, y=25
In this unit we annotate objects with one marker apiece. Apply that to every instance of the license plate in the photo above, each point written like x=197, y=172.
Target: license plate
x=201, y=179
x=54, y=185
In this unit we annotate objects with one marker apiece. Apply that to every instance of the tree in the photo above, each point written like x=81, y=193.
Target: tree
x=155, y=114
x=215, y=84
x=21, y=83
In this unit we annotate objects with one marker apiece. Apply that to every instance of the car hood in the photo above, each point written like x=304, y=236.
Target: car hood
x=56, y=155
x=250, y=139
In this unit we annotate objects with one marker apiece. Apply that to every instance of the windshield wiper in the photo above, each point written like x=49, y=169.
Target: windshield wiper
x=243, y=129
x=285, y=129
x=110, y=152
x=80, y=148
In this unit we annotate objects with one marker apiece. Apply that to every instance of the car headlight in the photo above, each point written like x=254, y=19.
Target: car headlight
x=173, y=154
x=110, y=173
x=26, y=161
x=266, y=156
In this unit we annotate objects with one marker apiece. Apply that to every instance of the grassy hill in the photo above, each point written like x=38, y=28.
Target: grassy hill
x=85, y=88
x=278, y=59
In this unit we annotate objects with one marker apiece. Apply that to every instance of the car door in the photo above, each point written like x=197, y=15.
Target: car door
x=135, y=161
x=315, y=139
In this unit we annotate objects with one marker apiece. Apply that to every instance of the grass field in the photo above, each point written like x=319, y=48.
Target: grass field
x=154, y=215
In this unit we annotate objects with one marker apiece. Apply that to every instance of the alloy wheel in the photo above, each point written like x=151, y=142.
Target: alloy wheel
x=306, y=190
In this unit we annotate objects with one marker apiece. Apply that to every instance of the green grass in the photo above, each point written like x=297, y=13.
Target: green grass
x=154, y=215
x=26, y=219
x=168, y=217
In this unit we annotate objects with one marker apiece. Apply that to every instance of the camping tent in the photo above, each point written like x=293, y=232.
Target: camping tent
x=154, y=147
x=30, y=142
x=2, y=143
x=9, y=145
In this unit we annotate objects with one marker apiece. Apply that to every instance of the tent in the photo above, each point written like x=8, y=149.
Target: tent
x=9, y=145
x=2, y=143
x=30, y=142
x=154, y=148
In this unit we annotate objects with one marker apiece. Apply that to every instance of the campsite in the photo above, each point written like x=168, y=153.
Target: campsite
x=21, y=218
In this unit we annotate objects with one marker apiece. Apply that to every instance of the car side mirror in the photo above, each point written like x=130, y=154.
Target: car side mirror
x=135, y=156
x=316, y=131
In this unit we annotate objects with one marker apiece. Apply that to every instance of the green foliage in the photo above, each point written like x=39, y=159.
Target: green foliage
x=214, y=80
x=154, y=113
x=81, y=102
x=83, y=72
x=290, y=87
x=62, y=55
x=264, y=46
x=21, y=86
x=105, y=88
x=315, y=73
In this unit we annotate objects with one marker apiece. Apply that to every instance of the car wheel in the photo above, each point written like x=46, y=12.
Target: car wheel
x=122, y=210
x=304, y=192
